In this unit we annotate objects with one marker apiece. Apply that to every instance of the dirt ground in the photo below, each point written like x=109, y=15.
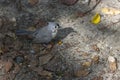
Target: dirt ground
x=81, y=50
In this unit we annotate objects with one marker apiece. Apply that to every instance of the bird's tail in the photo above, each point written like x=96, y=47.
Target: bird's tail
x=23, y=32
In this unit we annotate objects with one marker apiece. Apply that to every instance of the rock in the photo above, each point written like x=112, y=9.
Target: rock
x=8, y=66
x=81, y=73
x=19, y=59
x=95, y=59
x=68, y=2
x=45, y=59
x=112, y=63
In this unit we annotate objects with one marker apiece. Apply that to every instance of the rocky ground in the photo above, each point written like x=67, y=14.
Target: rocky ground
x=81, y=51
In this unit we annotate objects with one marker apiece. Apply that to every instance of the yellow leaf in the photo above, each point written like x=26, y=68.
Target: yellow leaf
x=96, y=19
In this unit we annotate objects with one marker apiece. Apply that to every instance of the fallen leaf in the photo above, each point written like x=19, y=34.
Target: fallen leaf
x=98, y=78
x=8, y=66
x=86, y=64
x=5, y=49
x=95, y=47
x=38, y=70
x=60, y=42
x=112, y=63
x=95, y=59
x=84, y=54
x=80, y=14
x=33, y=2
x=81, y=73
x=110, y=11
x=96, y=19
x=45, y=59
x=46, y=73
x=36, y=48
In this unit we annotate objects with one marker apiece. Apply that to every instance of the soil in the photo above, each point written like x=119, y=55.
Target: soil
x=80, y=50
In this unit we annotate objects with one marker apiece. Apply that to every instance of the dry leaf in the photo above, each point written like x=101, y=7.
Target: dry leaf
x=110, y=11
x=98, y=78
x=36, y=48
x=86, y=64
x=60, y=42
x=84, y=54
x=33, y=2
x=46, y=73
x=95, y=47
x=112, y=63
x=45, y=59
x=81, y=73
x=95, y=59
x=8, y=66
x=80, y=14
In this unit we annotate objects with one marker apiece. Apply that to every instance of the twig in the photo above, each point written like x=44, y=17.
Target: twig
x=97, y=2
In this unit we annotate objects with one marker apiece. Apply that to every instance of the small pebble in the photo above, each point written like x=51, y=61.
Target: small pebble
x=19, y=59
x=32, y=51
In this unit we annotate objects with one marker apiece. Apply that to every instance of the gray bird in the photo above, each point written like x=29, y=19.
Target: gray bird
x=42, y=35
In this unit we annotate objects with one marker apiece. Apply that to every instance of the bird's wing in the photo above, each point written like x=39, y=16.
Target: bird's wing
x=42, y=36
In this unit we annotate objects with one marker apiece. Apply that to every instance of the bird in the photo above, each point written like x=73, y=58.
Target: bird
x=41, y=35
